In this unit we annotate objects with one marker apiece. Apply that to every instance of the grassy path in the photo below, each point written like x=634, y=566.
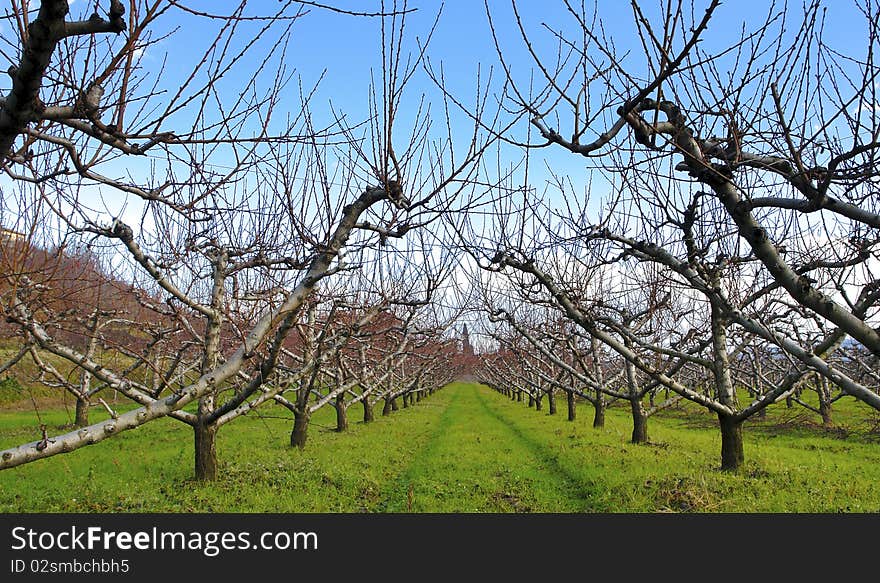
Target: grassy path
x=463, y=449
x=479, y=461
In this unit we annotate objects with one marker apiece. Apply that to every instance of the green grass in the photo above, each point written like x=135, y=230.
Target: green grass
x=478, y=462
x=464, y=449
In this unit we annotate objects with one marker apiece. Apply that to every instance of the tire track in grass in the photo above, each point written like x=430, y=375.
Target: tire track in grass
x=392, y=498
x=573, y=483
x=477, y=461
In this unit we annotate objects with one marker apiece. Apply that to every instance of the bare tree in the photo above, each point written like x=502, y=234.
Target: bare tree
x=244, y=213
x=732, y=167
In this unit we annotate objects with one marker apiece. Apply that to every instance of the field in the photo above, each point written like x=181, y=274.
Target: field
x=464, y=449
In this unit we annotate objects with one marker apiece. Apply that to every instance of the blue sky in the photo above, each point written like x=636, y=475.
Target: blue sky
x=345, y=49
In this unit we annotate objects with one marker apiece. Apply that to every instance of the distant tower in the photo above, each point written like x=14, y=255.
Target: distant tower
x=466, y=347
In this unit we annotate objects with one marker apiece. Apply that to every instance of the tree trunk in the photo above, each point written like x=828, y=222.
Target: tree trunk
x=386, y=410
x=572, y=406
x=82, y=412
x=640, y=422
x=599, y=413
x=539, y=402
x=519, y=396
x=531, y=400
x=368, y=410
x=406, y=400
x=300, y=428
x=551, y=402
x=205, y=441
x=599, y=401
x=83, y=401
x=205, y=451
x=825, y=411
x=732, y=455
x=825, y=402
x=341, y=414
x=206, y=431
x=394, y=404
x=731, y=431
